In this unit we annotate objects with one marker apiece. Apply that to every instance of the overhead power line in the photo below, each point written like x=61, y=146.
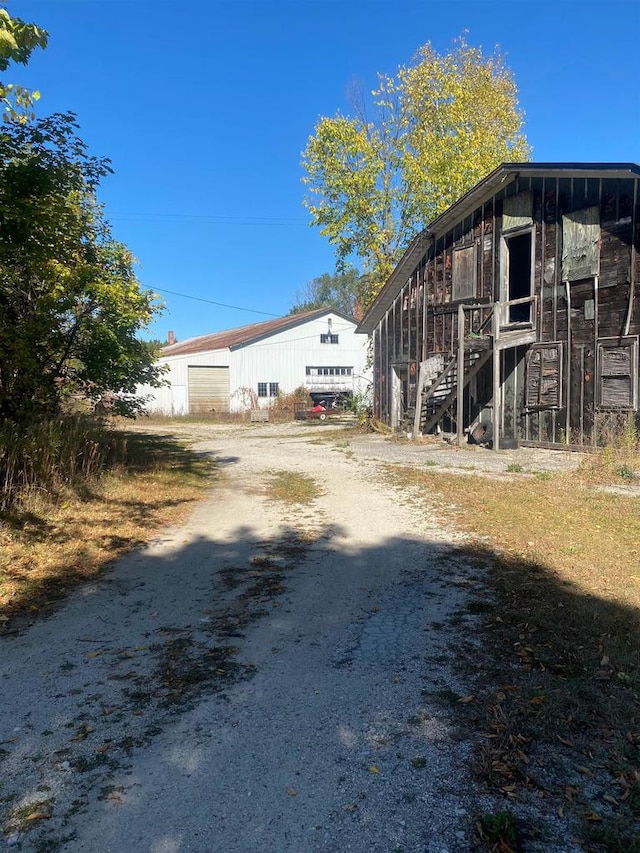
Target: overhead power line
x=219, y=304
x=211, y=218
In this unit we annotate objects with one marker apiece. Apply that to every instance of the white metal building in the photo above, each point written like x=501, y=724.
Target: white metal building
x=237, y=369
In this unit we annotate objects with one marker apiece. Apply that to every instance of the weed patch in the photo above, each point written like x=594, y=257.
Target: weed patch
x=291, y=487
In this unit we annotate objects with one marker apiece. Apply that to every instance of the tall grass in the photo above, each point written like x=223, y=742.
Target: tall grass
x=48, y=456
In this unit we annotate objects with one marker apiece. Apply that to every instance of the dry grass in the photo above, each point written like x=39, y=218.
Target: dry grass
x=291, y=487
x=49, y=545
x=558, y=701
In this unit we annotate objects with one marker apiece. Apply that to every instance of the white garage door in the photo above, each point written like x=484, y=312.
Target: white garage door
x=208, y=389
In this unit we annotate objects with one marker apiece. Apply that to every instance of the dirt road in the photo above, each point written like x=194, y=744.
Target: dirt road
x=268, y=677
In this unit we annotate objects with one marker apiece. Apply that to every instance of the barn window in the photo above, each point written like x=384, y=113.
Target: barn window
x=464, y=272
x=544, y=376
x=617, y=365
x=273, y=389
x=581, y=244
x=262, y=389
x=328, y=338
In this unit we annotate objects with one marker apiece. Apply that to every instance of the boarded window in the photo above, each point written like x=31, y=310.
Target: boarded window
x=544, y=376
x=580, y=244
x=517, y=211
x=618, y=374
x=464, y=272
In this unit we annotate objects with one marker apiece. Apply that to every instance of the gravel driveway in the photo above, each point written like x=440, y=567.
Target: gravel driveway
x=267, y=677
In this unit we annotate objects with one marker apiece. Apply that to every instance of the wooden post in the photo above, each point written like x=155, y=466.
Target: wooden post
x=497, y=311
x=460, y=377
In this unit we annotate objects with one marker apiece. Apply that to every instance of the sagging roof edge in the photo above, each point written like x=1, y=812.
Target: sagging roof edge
x=466, y=204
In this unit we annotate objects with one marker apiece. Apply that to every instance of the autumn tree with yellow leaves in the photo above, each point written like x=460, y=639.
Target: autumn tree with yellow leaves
x=435, y=129
x=18, y=40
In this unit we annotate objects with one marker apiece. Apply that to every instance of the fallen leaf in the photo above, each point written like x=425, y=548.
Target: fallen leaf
x=350, y=807
x=38, y=816
x=466, y=699
x=373, y=769
x=291, y=792
x=592, y=816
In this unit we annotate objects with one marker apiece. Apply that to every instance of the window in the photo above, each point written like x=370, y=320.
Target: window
x=328, y=338
x=329, y=371
x=544, y=376
x=617, y=377
x=268, y=389
x=581, y=244
x=519, y=275
x=464, y=272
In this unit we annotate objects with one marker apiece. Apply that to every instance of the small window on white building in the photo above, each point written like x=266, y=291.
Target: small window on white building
x=273, y=389
x=328, y=338
x=262, y=389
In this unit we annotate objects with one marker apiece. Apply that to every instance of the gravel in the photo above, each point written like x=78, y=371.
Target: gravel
x=265, y=677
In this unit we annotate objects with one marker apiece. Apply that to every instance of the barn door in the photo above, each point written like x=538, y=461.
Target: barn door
x=208, y=389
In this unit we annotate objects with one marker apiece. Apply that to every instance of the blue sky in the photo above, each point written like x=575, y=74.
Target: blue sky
x=204, y=108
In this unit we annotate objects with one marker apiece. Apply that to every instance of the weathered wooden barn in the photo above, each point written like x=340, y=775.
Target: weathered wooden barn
x=516, y=313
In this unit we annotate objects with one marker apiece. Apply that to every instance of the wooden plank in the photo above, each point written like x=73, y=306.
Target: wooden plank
x=580, y=243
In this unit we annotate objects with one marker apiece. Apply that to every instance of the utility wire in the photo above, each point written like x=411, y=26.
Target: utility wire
x=211, y=302
x=216, y=220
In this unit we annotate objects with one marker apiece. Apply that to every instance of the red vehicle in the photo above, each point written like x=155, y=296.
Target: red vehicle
x=322, y=410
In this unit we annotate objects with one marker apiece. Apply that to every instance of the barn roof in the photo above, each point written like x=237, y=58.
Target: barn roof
x=244, y=335
x=466, y=205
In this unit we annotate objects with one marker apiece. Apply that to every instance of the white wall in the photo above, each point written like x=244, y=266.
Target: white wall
x=282, y=357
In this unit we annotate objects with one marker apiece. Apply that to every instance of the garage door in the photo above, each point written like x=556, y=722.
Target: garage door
x=208, y=389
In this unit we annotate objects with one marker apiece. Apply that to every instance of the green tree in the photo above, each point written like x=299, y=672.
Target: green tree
x=70, y=304
x=18, y=40
x=342, y=291
x=437, y=128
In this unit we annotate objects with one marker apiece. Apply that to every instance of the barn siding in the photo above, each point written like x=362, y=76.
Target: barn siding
x=601, y=301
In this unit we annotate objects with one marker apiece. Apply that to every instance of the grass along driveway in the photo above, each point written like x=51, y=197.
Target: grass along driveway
x=55, y=542
x=558, y=697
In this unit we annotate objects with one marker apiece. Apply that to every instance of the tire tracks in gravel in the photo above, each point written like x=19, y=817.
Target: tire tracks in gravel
x=264, y=677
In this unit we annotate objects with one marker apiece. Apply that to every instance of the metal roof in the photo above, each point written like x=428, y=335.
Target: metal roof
x=465, y=205
x=244, y=335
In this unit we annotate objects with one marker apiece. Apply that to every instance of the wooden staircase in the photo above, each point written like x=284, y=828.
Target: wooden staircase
x=444, y=376
x=435, y=397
